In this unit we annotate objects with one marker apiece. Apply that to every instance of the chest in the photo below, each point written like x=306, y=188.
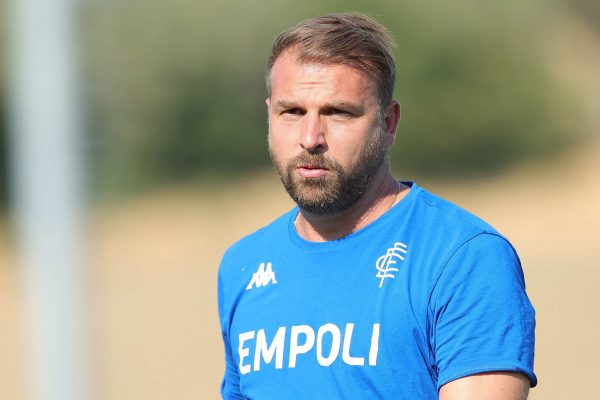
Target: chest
x=354, y=308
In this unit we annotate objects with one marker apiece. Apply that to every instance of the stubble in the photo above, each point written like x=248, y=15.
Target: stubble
x=339, y=189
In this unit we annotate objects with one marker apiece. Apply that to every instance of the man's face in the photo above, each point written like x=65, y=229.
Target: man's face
x=326, y=135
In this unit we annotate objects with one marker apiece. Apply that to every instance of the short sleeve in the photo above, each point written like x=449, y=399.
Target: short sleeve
x=481, y=318
x=230, y=386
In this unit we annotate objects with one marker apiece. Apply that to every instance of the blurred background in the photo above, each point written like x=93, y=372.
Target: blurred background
x=500, y=113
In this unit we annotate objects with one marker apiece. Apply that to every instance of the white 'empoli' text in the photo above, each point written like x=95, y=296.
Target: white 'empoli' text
x=302, y=339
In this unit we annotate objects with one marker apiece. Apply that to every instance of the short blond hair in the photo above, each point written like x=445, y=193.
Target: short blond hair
x=351, y=39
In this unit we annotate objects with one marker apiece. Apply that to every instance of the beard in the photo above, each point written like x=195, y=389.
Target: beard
x=339, y=189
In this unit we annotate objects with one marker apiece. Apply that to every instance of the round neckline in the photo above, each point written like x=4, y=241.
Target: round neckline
x=354, y=237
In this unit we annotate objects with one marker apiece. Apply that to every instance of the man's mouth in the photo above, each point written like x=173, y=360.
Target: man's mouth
x=311, y=171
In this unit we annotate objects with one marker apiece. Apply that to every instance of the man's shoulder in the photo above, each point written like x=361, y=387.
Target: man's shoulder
x=266, y=236
x=445, y=213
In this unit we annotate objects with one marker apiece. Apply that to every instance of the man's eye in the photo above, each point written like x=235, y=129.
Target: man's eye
x=293, y=111
x=338, y=111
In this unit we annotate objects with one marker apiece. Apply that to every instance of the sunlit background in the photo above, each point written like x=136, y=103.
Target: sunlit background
x=500, y=113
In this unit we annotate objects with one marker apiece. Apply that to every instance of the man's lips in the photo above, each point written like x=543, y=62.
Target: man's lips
x=309, y=171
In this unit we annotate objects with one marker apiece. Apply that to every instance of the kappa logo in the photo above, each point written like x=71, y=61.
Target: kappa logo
x=263, y=276
x=385, y=263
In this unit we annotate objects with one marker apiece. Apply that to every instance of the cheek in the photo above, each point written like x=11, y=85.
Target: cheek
x=274, y=142
x=281, y=137
x=278, y=148
x=345, y=147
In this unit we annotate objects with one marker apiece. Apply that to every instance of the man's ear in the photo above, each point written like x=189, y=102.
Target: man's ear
x=392, y=118
x=268, y=101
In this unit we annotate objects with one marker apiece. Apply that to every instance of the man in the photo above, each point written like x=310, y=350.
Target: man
x=371, y=288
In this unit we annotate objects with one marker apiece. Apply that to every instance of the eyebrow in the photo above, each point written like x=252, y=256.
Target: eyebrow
x=341, y=104
x=284, y=105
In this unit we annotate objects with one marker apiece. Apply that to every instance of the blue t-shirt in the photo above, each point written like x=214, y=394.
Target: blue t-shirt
x=425, y=294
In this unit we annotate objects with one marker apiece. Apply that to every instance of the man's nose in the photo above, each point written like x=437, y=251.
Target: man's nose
x=312, y=137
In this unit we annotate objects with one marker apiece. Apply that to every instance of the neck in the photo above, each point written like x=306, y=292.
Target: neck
x=381, y=195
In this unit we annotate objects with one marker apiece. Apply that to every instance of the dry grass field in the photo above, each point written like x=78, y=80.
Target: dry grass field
x=153, y=263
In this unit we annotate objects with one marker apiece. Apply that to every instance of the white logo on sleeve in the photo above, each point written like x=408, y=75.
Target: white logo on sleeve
x=263, y=276
x=385, y=263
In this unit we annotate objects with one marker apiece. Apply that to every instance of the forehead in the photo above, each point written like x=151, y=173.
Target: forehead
x=289, y=76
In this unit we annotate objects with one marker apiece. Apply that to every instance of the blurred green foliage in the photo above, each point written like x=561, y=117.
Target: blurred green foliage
x=588, y=9
x=181, y=90
x=3, y=154
x=477, y=93
x=175, y=90
x=3, y=110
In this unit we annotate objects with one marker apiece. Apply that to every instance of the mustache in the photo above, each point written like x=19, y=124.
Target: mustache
x=315, y=161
